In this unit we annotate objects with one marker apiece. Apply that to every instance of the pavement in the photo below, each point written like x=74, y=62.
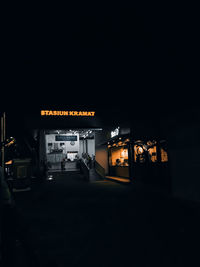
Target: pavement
x=74, y=222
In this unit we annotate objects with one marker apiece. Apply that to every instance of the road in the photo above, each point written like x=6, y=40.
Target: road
x=74, y=222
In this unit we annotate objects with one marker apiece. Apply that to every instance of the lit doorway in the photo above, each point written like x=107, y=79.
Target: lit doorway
x=63, y=148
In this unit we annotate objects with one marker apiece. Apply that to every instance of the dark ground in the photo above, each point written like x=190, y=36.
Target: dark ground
x=78, y=223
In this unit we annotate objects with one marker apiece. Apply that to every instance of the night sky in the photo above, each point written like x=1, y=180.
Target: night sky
x=136, y=58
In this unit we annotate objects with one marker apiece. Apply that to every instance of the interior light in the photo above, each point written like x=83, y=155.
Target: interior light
x=140, y=149
x=9, y=162
x=50, y=177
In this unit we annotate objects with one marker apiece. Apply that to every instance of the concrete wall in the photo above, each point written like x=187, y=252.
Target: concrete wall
x=182, y=133
x=185, y=173
x=102, y=157
x=101, y=152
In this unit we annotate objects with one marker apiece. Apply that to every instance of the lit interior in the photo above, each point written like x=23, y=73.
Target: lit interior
x=152, y=154
x=119, y=156
x=151, y=148
x=164, y=156
x=8, y=162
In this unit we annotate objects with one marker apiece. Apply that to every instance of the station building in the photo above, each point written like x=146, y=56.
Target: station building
x=120, y=149
x=120, y=144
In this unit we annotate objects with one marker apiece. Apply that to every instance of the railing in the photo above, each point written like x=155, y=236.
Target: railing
x=84, y=169
x=99, y=169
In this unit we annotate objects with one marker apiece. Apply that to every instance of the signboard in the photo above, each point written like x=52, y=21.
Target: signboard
x=67, y=113
x=66, y=138
x=115, y=132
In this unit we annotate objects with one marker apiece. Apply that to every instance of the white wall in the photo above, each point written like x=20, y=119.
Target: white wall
x=50, y=138
x=90, y=146
x=81, y=147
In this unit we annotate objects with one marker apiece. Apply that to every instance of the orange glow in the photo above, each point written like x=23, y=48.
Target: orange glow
x=119, y=156
x=124, y=180
x=67, y=113
x=9, y=162
x=164, y=156
x=139, y=150
x=153, y=154
x=10, y=143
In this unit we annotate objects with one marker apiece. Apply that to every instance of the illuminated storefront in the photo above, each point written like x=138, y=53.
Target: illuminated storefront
x=150, y=163
x=145, y=151
x=135, y=159
x=119, y=157
x=150, y=151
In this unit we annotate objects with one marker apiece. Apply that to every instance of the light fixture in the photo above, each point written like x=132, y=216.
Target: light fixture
x=50, y=177
x=140, y=149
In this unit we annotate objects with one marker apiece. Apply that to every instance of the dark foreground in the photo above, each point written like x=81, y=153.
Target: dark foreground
x=72, y=222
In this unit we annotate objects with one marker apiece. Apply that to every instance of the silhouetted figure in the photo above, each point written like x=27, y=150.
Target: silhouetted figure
x=89, y=161
x=44, y=169
x=63, y=165
x=93, y=161
x=147, y=166
x=118, y=162
x=146, y=157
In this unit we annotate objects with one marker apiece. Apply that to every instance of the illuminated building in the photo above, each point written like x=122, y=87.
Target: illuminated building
x=131, y=159
x=68, y=134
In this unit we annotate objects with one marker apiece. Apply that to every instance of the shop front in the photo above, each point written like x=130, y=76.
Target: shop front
x=118, y=151
x=150, y=162
x=141, y=160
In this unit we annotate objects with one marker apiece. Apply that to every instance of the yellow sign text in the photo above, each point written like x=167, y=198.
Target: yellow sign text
x=67, y=113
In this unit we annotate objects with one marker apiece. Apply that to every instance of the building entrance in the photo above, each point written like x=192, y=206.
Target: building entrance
x=63, y=148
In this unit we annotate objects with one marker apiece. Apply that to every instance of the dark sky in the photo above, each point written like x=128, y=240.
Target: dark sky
x=135, y=57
